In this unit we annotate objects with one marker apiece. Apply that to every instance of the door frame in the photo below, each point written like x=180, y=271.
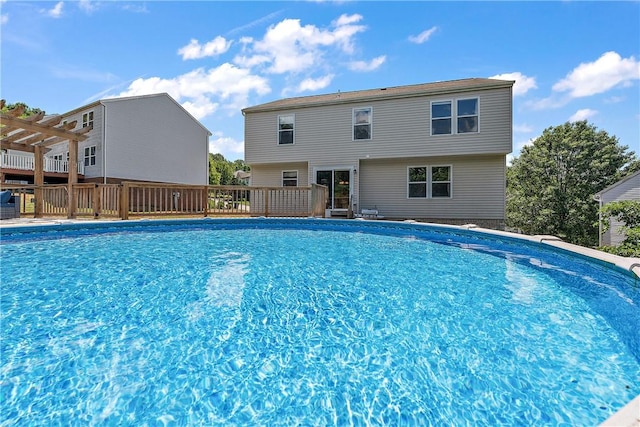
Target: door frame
x=333, y=168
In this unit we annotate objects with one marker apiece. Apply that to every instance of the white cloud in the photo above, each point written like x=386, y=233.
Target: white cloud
x=583, y=114
x=88, y=6
x=522, y=85
x=136, y=8
x=614, y=100
x=4, y=18
x=56, y=11
x=194, y=50
x=288, y=47
x=315, y=84
x=367, y=66
x=607, y=72
x=423, y=36
x=203, y=91
x=227, y=146
x=202, y=107
x=548, y=103
x=523, y=128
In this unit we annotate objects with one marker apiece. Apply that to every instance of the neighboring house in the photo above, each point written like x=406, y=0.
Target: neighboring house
x=434, y=152
x=627, y=188
x=148, y=138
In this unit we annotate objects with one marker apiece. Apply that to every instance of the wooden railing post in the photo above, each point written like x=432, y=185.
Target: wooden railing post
x=72, y=178
x=38, y=180
x=124, y=200
x=96, y=201
x=205, y=201
x=266, y=202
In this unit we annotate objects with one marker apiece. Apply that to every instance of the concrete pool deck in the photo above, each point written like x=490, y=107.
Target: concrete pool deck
x=628, y=416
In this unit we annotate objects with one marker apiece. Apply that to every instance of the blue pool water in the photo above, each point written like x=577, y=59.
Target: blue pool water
x=267, y=322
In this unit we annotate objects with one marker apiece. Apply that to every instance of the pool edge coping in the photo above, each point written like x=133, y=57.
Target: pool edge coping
x=628, y=264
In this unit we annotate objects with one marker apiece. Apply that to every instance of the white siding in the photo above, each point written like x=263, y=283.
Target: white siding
x=94, y=138
x=154, y=139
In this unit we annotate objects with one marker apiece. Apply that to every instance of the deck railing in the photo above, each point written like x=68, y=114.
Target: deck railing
x=145, y=200
x=27, y=163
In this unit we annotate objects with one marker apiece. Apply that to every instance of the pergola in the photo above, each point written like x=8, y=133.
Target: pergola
x=34, y=134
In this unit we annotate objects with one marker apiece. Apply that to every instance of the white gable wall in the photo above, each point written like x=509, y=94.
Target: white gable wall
x=154, y=139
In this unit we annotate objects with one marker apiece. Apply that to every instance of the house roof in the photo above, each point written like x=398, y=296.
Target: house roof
x=623, y=180
x=395, y=92
x=127, y=98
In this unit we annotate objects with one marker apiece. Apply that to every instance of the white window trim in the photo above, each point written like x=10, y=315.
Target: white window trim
x=451, y=117
x=285, y=171
x=278, y=130
x=450, y=181
x=95, y=155
x=89, y=122
x=477, y=98
x=454, y=116
x=353, y=123
x=429, y=182
x=426, y=183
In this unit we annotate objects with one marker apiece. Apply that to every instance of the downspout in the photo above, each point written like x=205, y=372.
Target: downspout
x=598, y=199
x=104, y=144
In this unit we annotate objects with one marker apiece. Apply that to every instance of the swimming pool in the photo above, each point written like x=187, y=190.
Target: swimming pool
x=309, y=322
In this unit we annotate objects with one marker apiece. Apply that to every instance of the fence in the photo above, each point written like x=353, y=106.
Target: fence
x=143, y=200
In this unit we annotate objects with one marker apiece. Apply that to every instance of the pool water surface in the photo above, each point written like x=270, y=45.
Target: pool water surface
x=304, y=323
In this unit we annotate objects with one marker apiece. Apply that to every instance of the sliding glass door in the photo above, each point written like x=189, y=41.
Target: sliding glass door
x=339, y=183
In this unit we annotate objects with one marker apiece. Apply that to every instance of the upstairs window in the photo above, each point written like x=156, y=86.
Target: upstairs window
x=468, y=115
x=454, y=117
x=87, y=119
x=362, y=123
x=285, y=129
x=441, y=118
x=289, y=178
x=90, y=156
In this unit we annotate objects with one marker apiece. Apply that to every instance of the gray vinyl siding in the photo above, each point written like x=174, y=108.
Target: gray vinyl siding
x=271, y=175
x=478, y=188
x=400, y=128
x=627, y=189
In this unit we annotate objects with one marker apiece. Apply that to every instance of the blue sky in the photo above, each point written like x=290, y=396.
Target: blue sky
x=572, y=60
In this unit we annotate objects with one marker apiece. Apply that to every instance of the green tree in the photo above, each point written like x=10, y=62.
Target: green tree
x=28, y=111
x=221, y=171
x=550, y=186
x=627, y=212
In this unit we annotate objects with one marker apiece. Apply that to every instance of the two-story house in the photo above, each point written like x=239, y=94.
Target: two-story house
x=434, y=152
x=149, y=138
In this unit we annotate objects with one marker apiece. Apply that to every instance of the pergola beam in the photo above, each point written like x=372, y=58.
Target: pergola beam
x=17, y=123
x=31, y=134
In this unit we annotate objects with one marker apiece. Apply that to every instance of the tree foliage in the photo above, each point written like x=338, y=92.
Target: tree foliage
x=550, y=186
x=627, y=212
x=221, y=170
x=28, y=111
